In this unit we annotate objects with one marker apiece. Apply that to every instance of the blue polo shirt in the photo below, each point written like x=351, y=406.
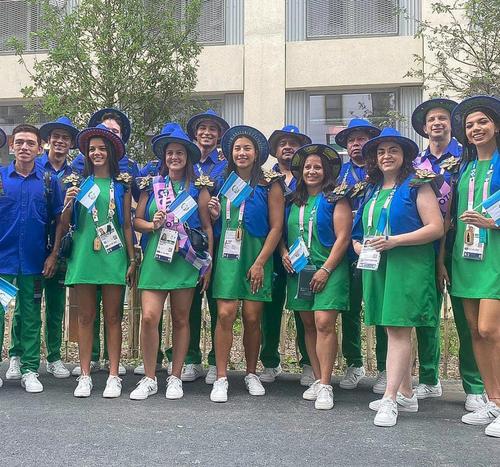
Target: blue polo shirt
x=351, y=174
x=24, y=217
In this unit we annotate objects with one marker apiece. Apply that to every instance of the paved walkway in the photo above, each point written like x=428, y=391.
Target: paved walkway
x=54, y=428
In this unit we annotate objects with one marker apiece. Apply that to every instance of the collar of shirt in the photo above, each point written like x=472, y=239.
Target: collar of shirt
x=45, y=163
x=213, y=157
x=293, y=181
x=34, y=172
x=454, y=149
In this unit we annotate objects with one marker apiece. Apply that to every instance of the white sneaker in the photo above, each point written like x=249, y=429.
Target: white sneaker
x=324, y=401
x=380, y=383
x=253, y=385
x=311, y=393
x=84, y=387
x=1, y=382
x=405, y=404
x=145, y=387
x=94, y=366
x=58, y=369
x=474, y=402
x=493, y=429
x=387, y=414
x=139, y=370
x=29, y=381
x=307, y=377
x=425, y=391
x=486, y=414
x=174, y=388
x=192, y=371
x=270, y=374
x=219, y=391
x=113, y=387
x=14, y=371
x=352, y=377
x=121, y=369
x=211, y=374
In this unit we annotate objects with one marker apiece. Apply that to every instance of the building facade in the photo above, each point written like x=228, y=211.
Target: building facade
x=266, y=63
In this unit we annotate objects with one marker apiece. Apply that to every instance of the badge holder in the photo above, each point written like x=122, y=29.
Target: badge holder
x=369, y=258
x=167, y=245
x=304, y=291
x=108, y=237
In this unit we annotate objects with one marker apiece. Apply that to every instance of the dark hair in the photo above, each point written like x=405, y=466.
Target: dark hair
x=469, y=149
x=26, y=128
x=374, y=174
x=300, y=195
x=88, y=167
x=113, y=116
x=256, y=174
x=188, y=169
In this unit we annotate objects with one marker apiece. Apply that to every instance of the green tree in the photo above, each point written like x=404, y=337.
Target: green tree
x=136, y=55
x=464, y=50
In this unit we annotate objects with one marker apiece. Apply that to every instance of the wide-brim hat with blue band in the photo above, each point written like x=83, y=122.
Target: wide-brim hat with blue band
x=319, y=149
x=62, y=123
x=96, y=119
x=287, y=130
x=100, y=131
x=210, y=114
x=174, y=134
x=356, y=124
x=420, y=113
x=235, y=132
x=3, y=138
x=468, y=106
x=410, y=148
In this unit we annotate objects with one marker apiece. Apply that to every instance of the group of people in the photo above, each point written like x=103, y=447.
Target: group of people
x=387, y=232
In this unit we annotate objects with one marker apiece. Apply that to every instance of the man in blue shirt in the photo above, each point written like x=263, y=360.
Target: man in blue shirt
x=432, y=120
x=351, y=183
x=29, y=200
x=282, y=144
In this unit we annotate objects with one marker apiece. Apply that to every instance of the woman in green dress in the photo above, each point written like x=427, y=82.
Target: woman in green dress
x=103, y=252
x=171, y=266
x=320, y=230
x=249, y=235
x=393, y=234
x=476, y=251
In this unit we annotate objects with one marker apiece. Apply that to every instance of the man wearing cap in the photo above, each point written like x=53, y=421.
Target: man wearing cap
x=118, y=123
x=351, y=183
x=206, y=130
x=282, y=144
x=29, y=200
x=432, y=120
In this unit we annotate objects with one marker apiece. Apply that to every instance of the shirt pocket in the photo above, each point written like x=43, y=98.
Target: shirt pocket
x=39, y=210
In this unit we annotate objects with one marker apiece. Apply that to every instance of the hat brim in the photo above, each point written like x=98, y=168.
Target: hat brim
x=342, y=136
x=161, y=143
x=278, y=134
x=3, y=138
x=320, y=149
x=193, y=123
x=84, y=137
x=465, y=107
x=410, y=148
x=419, y=114
x=96, y=118
x=231, y=135
x=48, y=128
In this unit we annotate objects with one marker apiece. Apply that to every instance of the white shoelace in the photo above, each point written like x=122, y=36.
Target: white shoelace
x=175, y=382
x=388, y=408
x=146, y=383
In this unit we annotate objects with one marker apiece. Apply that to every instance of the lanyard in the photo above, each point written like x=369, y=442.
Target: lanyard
x=310, y=224
x=352, y=172
x=211, y=166
x=111, y=206
x=240, y=213
x=170, y=193
x=472, y=183
x=383, y=222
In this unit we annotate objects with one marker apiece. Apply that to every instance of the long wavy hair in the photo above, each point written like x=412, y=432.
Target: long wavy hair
x=469, y=149
x=88, y=166
x=301, y=195
x=256, y=173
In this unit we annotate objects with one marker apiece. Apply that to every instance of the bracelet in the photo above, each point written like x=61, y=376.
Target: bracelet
x=133, y=260
x=329, y=271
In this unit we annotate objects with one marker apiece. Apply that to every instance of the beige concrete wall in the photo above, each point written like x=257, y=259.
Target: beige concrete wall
x=14, y=76
x=357, y=62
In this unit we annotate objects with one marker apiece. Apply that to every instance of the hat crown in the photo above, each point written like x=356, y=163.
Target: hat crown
x=64, y=120
x=291, y=129
x=168, y=128
x=357, y=122
x=388, y=132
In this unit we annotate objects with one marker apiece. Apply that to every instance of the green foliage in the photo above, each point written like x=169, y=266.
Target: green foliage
x=136, y=55
x=465, y=52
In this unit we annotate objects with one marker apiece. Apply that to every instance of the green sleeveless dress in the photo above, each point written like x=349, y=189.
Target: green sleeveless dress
x=475, y=279
x=402, y=291
x=230, y=276
x=86, y=266
x=160, y=275
x=335, y=295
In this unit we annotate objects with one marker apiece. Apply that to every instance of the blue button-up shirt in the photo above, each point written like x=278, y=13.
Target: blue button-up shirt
x=292, y=186
x=45, y=165
x=24, y=214
x=213, y=166
x=350, y=173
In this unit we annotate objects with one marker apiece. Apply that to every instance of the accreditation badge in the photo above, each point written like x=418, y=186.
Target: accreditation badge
x=109, y=237
x=369, y=258
x=473, y=247
x=166, y=245
x=232, y=244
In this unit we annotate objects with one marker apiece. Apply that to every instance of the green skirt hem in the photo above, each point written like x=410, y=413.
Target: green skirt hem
x=166, y=289
x=250, y=299
x=73, y=283
x=474, y=296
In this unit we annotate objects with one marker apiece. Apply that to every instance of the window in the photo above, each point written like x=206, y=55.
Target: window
x=334, y=18
x=211, y=25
